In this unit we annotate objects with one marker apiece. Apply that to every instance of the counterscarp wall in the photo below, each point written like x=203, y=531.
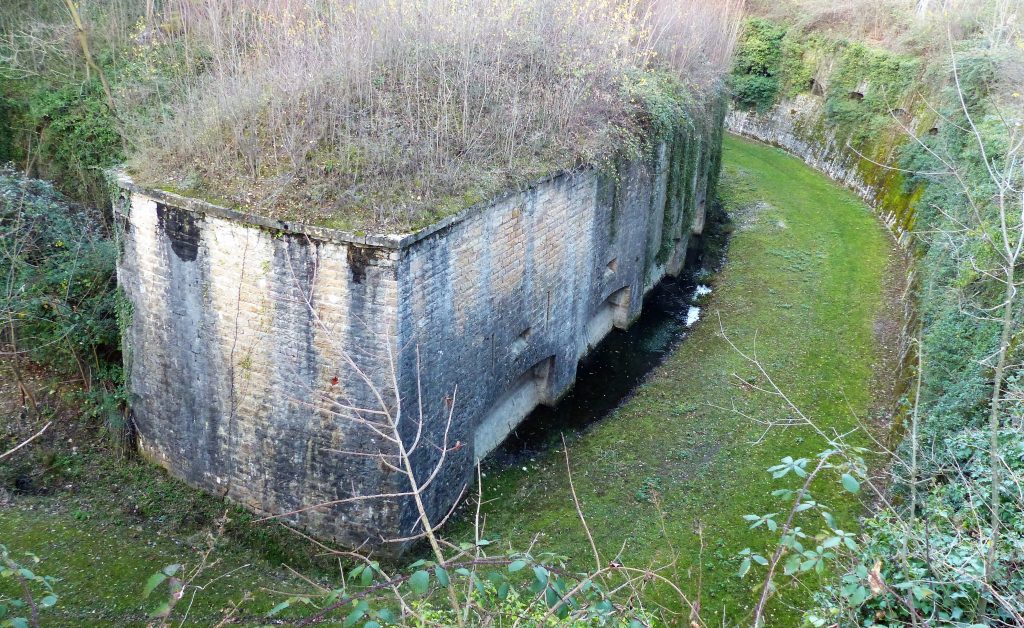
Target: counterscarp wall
x=263, y=356
x=799, y=126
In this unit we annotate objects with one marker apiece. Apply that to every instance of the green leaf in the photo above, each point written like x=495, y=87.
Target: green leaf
x=516, y=566
x=551, y=598
x=366, y=577
x=386, y=615
x=356, y=614
x=153, y=582
x=442, y=575
x=280, y=607
x=48, y=601
x=850, y=483
x=19, y=622
x=541, y=574
x=744, y=567
x=371, y=624
x=503, y=591
x=829, y=519
x=419, y=582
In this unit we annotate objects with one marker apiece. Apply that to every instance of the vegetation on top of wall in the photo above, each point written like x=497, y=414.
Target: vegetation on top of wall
x=758, y=66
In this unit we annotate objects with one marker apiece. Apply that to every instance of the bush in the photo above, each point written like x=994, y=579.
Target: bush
x=758, y=65
x=936, y=561
x=77, y=139
x=58, y=299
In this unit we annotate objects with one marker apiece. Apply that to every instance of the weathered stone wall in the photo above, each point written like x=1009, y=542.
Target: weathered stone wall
x=236, y=333
x=798, y=126
x=257, y=350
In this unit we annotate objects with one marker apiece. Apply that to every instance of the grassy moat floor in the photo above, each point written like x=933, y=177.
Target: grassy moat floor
x=807, y=268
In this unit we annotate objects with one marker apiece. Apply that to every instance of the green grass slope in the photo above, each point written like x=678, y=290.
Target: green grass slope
x=676, y=464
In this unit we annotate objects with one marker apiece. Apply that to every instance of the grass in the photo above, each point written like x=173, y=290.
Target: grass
x=102, y=525
x=805, y=277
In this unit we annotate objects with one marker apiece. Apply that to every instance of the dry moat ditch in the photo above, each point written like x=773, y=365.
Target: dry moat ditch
x=664, y=467
x=668, y=449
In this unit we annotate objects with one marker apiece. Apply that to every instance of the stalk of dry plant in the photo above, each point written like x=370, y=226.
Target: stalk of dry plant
x=374, y=111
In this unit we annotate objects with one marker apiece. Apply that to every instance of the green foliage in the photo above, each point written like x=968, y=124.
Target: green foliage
x=539, y=589
x=756, y=75
x=36, y=592
x=865, y=88
x=936, y=562
x=8, y=112
x=799, y=549
x=57, y=264
x=76, y=138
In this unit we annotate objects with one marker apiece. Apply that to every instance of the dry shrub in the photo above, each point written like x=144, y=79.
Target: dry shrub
x=916, y=26
x=380, y=112
x=38, y=38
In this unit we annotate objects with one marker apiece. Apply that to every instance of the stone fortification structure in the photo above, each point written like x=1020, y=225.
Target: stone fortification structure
x=260, y=354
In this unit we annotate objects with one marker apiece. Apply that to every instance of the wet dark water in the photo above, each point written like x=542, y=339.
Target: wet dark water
x=611, y=372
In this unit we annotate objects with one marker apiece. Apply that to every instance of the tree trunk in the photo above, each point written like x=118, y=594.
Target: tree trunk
x=995, y=460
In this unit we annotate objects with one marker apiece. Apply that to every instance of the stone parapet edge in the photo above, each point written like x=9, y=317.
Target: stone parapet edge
x=381, y=240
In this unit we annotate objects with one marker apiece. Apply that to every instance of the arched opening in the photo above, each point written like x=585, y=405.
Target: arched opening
x=529, y=390
x=613, y=312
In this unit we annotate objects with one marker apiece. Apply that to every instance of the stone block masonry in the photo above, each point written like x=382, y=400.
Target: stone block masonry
x=260, y=352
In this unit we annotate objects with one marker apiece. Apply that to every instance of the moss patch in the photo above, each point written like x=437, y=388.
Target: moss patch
x=805, y=275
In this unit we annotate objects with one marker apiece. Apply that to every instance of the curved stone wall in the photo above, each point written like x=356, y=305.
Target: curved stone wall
x=798, y=126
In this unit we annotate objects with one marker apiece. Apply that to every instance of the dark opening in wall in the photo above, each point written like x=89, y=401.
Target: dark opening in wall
x=857, y=96
x=815, y=88
x=901, y=114
x=933, y=131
